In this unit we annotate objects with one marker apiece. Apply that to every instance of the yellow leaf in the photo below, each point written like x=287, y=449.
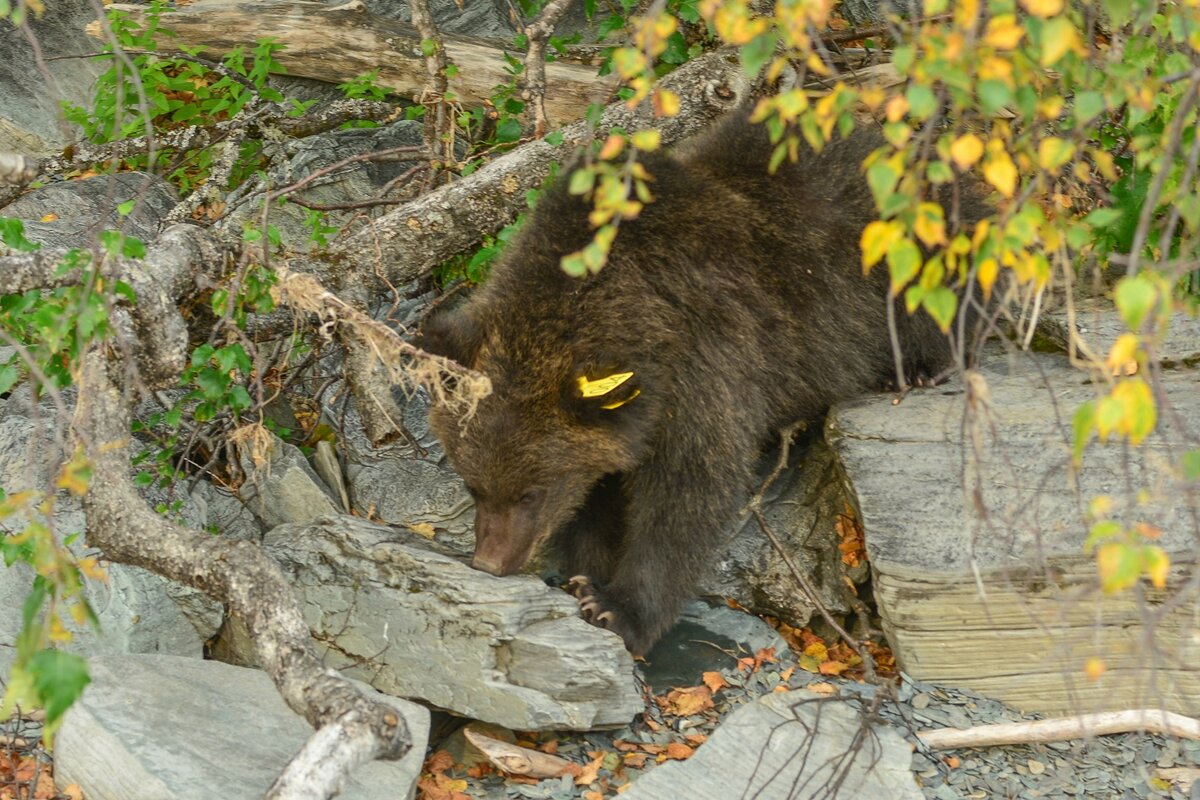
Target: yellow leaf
x=1100, y=506
x=818, y=651
x=999, y=169
x=1157, y=564
x=1117, y=563
x=1123, y=350
x=989, y=269
x=896, y=108
x=1043, y=8
x=90, y=567
x=1058, y=37
x=1093, y=668
x=1053, y=153
x=49, y=217
x=872, y=97
x=612, y=147
x=966, y=150
x=1139, y=412
x=930, y=224
x=424, y=529
x=1003, y=32
x=647, y=140
x=666, y=103
x=1104, y=162
x=1051, y=107
x=877, y=237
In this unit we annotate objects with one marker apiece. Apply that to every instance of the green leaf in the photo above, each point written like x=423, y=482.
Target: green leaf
x=757, y=52
x=12, y=234
x=1190, y=461
x=994, y=95
x=212, y=383
x=1103, y=217
x=882, y=177
x=1118, y=12
x=922, y=102
x=904, y=261
x=1105, y=529
x=125, y=208
x=1082, y=424
x=582, y=181
x=941, y=303
x=59, y=679
x=1087, y=106
x=509, y=130
x=1135, y=297
x=573, y=265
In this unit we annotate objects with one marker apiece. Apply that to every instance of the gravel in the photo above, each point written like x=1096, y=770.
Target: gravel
x=1122, y=767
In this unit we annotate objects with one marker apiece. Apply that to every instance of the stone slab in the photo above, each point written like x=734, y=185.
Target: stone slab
x=789, y=746
x=153, y=727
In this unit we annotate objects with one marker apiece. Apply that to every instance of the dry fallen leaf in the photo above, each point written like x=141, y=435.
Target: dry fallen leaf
x=821, y=688
x=590, y=772
x=635, y=760
x=686, y=702
x=424, y=529
x=715, y=681
x=678, y=751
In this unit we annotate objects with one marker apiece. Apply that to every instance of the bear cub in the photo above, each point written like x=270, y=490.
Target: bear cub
x=629, y=407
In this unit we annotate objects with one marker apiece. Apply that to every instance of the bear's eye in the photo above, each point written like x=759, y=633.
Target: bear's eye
x=530, y=497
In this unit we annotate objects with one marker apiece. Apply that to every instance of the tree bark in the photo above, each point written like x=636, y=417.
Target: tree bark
x=338, y=43
x=414, y=238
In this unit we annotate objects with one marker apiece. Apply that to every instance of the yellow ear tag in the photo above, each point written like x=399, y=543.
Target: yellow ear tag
x=619, y=403
x=602, y=386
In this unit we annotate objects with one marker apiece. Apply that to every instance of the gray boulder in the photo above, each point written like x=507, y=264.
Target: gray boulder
x=409, y=483
x=976, y=522
x=167, y=728
x=421, y=624
x=789, y=746
x=31, y=121
x=72, y=213
x=282, y=487
x=138, y=611
x=801, y=506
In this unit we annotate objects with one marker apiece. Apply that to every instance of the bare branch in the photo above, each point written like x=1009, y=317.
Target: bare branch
x=1150, y=720
x=538, y=33
x=438, y=138
x=325, y=118
x=237, y=573
x=451, y=219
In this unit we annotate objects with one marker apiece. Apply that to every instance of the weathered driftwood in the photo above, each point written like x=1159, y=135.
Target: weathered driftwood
x=518, y=760
x=1151, y=720
x=338, y=43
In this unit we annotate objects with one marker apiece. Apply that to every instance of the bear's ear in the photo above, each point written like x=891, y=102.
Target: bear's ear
x=453, y=334
x=598, y=394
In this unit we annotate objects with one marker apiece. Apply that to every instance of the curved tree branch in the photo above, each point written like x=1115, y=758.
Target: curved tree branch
x=413, y=238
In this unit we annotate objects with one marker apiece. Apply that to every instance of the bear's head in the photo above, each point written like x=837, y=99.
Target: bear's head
x=554, y=425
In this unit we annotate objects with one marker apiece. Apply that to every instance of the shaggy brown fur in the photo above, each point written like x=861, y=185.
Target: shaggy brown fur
x=737, y=301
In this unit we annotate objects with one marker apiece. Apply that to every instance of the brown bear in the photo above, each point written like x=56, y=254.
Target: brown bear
x=629, y=407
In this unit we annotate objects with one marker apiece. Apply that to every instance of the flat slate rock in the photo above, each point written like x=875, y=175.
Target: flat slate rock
x=422, y=624
x=975, y=528
x=154, y=727
x=1097, y=325
x=789, y=746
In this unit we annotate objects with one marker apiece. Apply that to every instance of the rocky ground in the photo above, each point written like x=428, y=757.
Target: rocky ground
x=681, y=719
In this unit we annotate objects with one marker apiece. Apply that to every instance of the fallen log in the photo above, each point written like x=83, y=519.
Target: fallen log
x=337, y=43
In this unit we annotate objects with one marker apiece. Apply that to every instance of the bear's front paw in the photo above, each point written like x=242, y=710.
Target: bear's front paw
x=601, y=611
